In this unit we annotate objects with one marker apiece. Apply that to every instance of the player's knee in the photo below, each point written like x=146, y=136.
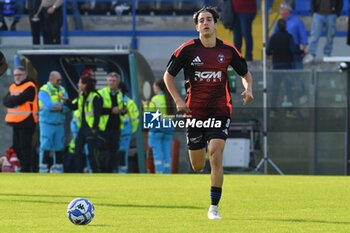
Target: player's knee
x=215, y=158
x=198, y=167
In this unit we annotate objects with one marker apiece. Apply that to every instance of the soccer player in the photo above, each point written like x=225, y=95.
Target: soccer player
x=205, y=61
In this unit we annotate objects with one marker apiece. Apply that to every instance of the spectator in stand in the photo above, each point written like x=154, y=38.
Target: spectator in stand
x=35, y=19
x=52, y=21
x=324, y=15
x=3, y=64
x=282, y=49
x=10, y=14
x=22, y=114
x=296, y=28
x=244, y=12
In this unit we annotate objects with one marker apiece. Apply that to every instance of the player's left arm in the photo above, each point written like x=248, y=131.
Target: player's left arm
x=239, y=64
x=247, y=94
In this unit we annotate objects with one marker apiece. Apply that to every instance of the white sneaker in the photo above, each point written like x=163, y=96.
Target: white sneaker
x=213, y=212
x=43, y=168
x=56, y=168
x=308, y=59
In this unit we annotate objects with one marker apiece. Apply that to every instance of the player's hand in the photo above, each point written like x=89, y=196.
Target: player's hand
x=247, y=96
x=181, y=107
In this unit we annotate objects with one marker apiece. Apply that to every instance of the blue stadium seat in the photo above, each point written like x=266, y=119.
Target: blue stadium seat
x=345, y=10
x=215, y=3
x=165, y=6
x=146, y=6
x=188, y=6
x=302, y=7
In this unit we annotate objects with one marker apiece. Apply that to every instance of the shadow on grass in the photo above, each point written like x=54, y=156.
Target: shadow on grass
x=108, y=204
x=150, y=206
x=37, y=195
x=97, y=225
x=295, y=220
x=298, y=220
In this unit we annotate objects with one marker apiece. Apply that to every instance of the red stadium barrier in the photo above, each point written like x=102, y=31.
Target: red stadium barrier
x=149, y=161
x=175, y=156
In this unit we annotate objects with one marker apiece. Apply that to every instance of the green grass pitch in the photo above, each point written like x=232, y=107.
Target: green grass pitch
x=175, y=203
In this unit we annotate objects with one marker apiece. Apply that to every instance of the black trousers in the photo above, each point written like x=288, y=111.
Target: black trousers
x=22, y=144
x=52, y=24
x=112, y=137
x=96, y=148
x=36, y=28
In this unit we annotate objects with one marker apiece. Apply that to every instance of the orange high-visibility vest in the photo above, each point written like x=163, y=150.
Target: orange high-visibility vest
x=21, y=112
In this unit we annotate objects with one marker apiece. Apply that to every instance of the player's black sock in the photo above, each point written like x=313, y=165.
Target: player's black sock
x=215, y=195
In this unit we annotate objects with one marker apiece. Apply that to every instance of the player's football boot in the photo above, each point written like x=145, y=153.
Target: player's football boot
x=213, y=212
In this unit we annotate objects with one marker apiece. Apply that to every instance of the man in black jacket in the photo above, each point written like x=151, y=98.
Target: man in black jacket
x=281, y=47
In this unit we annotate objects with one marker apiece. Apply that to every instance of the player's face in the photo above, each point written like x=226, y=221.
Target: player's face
x=206, y=25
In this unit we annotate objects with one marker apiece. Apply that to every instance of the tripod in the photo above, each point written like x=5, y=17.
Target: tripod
x=265, y=160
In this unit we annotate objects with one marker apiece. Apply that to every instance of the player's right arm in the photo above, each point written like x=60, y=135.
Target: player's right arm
x=175, y=64
x=171, y=85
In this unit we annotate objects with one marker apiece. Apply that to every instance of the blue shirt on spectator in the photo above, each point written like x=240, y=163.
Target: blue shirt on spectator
x=297, y=29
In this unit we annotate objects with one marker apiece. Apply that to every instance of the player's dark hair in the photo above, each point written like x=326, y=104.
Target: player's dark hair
x=90, y=83
x=169, y=103
x=212, y=10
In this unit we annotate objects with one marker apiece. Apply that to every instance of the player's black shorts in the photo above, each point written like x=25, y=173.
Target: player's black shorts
x=197, y=138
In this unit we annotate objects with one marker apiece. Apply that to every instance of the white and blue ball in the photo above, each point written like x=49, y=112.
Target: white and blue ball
x=80, y=211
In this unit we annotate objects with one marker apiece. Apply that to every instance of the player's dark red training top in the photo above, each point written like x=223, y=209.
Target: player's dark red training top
x=205, y=71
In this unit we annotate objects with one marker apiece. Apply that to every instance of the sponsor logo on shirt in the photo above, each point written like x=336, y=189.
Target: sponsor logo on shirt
x=197, y=61
x=208, y=76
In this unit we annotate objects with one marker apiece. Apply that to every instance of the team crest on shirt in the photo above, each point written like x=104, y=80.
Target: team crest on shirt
x=221, y=58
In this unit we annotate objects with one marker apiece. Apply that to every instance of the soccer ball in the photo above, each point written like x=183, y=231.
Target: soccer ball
x=80, y=211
